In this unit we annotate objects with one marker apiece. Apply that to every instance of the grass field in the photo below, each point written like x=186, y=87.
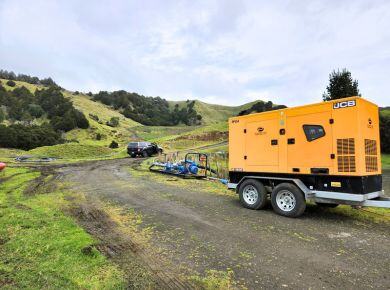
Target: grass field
x=40, y=247
x=385, y=161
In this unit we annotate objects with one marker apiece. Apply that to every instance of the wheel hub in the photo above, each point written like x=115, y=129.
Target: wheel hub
x=285, y=200
x=250, y=194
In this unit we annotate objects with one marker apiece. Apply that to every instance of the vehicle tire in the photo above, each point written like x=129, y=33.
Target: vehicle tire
x=328, y=205
x=253, y=194
x=132, y=155
x=145, y=154
x=288, y=200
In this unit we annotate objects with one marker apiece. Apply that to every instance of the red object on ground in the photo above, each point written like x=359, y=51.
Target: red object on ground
x=2, y=166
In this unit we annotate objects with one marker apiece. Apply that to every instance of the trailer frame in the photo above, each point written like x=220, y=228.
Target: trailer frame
x=372, y=199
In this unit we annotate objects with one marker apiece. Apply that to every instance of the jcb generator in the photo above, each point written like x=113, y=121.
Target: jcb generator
x=327, y=152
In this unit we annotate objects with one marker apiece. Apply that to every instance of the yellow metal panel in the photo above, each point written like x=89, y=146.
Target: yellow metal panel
x=353, y=139
x=258, y=147
x=304, y=155
x=236, y=144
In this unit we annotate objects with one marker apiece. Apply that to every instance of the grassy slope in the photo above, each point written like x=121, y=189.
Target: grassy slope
x=385, y=112
x=212, y=113
x=41, y=248
x=88, y=147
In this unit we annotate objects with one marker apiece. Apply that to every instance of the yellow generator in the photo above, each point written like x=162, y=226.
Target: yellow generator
x=327, y=152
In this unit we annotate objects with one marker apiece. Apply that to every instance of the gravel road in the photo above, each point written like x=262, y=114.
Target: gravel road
x=197, y=230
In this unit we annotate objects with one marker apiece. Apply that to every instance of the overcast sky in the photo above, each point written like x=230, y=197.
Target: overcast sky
x=226, y=52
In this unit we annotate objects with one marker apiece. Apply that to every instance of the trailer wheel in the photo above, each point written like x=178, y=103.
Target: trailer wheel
x=253, y=194
x=328, y=205
x=288, y=200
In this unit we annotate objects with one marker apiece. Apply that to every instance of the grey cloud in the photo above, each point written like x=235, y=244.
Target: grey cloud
x=233, y=51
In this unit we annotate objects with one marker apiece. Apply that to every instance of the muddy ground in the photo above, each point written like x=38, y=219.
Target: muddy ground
x=193, y=231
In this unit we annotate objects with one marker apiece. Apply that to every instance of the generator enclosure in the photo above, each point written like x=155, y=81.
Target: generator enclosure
x=332, y=146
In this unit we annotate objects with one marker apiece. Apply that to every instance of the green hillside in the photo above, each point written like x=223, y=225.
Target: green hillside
x=212, y=113
x=385, y=111
x=93, y=142
x=90, y=109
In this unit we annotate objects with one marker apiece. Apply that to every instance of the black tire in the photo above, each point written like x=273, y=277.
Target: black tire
x=145, y=154
x=288, y=200
x=252, y=186
x=328, y=205
x=132, y=155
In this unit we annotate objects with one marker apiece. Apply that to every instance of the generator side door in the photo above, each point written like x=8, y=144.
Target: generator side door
x=261, y=145
x=309, y=141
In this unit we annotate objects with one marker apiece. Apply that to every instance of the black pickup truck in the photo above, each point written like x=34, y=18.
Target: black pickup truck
x=144, y=149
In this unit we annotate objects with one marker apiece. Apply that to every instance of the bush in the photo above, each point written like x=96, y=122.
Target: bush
x=114, y=122
x=81, y=120
x=11, y=83
x=114, y=145
x=28, y=137
x=35, y=110
x=98, y=136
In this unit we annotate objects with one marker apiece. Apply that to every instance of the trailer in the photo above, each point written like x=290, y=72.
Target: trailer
x=327, y=152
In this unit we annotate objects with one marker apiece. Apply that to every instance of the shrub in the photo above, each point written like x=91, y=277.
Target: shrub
x=11, y=83
x=81, y=120
x=98, y=136
x=2, y=115
x=28, y=137
x=113, y=145
x=114, y=122
x=94, y=117
x=35, y=110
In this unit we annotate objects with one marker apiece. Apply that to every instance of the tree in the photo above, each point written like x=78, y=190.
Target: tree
x=48, y=82
x=384, y=124
x=341, y=85
x=35, y=110
x=81, y=120
x=11, y=83
x=2, y=115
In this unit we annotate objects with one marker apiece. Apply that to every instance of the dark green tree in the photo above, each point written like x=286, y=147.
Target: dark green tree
x=341, y=85
x=384, y=124
x=2, y=115
x=35, y=110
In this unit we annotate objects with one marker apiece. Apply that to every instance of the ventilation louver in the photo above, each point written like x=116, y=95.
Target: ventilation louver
x=370, y=148
x=346, y=155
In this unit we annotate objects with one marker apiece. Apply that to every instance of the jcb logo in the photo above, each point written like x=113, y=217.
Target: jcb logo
x=344, y=104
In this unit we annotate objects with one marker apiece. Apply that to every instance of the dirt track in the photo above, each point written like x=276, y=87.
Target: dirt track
x=197, y=231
